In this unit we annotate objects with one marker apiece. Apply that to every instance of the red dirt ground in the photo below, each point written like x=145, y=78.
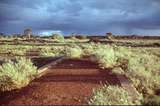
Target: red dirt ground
x=69, y=83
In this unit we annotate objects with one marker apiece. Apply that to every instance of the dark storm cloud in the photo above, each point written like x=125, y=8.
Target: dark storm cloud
x=81, y=16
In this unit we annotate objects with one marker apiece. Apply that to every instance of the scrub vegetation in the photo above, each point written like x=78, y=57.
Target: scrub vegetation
x=140, y=65
x=113, y=95
x=18, y=74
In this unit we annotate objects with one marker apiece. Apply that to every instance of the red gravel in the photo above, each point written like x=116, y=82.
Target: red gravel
x=69, y=83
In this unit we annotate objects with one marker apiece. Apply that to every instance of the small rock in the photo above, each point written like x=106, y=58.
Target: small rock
x=75, y=98
x=79, y=100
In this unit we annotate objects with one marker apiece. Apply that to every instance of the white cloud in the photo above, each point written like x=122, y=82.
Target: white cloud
x=50, y=32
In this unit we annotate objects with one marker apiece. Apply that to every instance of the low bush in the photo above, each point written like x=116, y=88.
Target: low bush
x=73, y=51
x=105, y=57
x=110, y=56
x=143, y=71
x=58, y=37
x=113, y=95
x=15, y=75
x=88, y=49
x=47, y=52
x=153, y=100
x=81, y=37
x=52, y=51
x=141, y=66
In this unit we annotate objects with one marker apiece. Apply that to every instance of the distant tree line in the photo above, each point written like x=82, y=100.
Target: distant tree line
x=28, y=35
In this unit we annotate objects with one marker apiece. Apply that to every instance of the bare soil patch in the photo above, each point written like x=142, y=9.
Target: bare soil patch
x=70, y=82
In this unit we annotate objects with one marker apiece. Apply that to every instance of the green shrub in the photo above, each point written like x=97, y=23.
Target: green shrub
x=73, y=51
x=108, y=56
x=58, y=37
x=16, y=75
x=112, y=95
x=52, y=51
x=141, y=66
x=46, y=52
x=143, y=71
x=15, y=50
x=105, y=56
x=153, y=100
x=88, y=48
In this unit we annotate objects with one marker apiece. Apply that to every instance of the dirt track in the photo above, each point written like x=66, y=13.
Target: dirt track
x=68, y=83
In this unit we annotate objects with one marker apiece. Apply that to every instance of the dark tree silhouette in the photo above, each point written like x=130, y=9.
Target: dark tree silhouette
x=28, y=32
x=109, y=35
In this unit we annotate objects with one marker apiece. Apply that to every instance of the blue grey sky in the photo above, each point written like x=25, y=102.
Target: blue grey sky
x=81, y=16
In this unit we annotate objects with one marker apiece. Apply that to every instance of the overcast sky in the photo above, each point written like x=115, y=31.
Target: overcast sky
x=81, y=16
